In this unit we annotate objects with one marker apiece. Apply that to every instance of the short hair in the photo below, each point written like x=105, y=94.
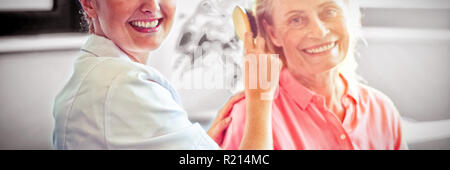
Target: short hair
x=263, y=9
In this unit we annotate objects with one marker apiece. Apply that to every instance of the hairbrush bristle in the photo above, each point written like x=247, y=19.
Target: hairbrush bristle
x=252, y=22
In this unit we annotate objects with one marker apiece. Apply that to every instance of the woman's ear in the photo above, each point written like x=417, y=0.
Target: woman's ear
x=274, y=37
x=89, y=8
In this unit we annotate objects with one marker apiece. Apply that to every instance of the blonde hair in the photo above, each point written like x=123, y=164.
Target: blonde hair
x=263, y=9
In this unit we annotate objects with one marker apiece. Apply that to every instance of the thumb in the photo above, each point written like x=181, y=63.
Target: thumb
x=216, y=132
x=223, y=124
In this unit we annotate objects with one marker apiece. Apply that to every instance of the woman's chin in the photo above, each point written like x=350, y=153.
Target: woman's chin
x=148, y=48
x=148, y=45
x=323, y=66
x=325, y=62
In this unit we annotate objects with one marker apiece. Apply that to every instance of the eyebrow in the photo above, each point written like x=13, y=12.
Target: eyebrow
x=320, y=6
x=329, y=3
x=294, y=11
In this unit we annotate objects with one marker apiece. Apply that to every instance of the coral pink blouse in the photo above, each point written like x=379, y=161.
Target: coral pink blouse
x=300, y=120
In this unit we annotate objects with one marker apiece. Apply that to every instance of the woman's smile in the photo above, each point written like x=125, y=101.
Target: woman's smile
x=328, y=48
x=147, y=25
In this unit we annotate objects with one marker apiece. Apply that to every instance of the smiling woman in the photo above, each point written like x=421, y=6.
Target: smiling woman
x=113, y=100
x=320, y=105
x=131, y=31
x=344, y=15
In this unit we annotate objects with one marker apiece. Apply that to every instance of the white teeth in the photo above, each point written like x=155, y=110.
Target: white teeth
x=321, y=49
x=153, y=23
x=144, y=24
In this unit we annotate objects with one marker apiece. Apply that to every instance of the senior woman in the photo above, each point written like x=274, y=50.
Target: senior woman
x=320, y=104
x=114, y=101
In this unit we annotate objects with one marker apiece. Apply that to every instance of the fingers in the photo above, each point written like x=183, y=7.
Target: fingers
x=260, y=43
x=223, y=125
x=226, y=110
x=236, y=97
x=280, y=64
x=251, y=44
x=248, y=42
x=217, y=129
x=277, y=62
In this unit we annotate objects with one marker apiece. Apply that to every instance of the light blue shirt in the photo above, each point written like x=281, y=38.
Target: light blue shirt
x=111, y=102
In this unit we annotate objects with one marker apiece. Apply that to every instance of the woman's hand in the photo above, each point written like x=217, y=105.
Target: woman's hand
x=259, y=93
x=223, y=119
x=262, y=68
x=258, y=128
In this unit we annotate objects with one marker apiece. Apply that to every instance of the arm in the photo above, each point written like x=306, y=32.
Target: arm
x=258, y=123
x=142, y=114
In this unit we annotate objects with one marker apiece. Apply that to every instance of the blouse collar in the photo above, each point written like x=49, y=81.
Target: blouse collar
x=100, y=46
x=304, y=96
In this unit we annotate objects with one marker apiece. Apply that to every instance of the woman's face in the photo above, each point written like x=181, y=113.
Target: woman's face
x=312, y=33
x=136, y=26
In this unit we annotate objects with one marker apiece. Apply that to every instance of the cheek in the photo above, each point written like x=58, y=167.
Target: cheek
x=168, y=4
x=168, y=8
x=291, y=38
x=118, y=9
x=117, y=15
x=344, y=35
x=341, y=29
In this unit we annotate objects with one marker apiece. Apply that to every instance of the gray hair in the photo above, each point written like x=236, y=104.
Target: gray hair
x=263, y=9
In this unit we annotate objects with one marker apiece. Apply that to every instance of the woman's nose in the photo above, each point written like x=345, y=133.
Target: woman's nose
x=150, y=6
x=317, y=28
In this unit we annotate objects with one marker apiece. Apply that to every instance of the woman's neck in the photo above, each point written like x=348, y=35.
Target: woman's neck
x=328, y=84
x=141, y=57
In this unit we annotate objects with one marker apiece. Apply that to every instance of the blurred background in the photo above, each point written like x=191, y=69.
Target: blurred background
x=407, y=57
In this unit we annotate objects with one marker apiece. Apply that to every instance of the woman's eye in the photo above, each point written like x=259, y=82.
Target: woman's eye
x=296, y=21
x=331, y=13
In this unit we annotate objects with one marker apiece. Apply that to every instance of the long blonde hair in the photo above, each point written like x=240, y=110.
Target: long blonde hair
x=263, y=9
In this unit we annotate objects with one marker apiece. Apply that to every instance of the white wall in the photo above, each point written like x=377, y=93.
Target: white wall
x=29, y=82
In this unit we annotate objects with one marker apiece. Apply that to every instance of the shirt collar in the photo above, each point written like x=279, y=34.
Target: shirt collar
x=102, y=47
x=299, y=93
x=352, y=88
x=303, y=96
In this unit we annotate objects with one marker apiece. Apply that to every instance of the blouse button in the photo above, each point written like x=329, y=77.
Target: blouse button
x=343, y=137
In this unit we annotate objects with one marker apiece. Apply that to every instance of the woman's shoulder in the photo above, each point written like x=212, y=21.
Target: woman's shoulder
x=239, y=107
x=106, y=65
x=92, y=75
x=95, y=71
x=366, y=93
x=375, y=101
x=239, y=110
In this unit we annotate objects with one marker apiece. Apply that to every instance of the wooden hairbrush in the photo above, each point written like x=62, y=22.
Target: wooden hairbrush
x=244, y=21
